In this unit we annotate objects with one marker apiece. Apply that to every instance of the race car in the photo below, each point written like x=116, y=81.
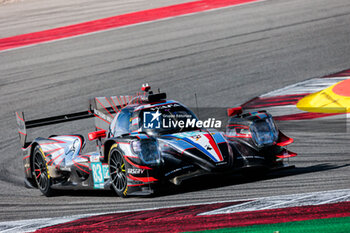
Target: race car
x=145, y=141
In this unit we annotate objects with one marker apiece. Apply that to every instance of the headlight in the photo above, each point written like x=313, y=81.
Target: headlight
x=147, y=150
x=136, y=147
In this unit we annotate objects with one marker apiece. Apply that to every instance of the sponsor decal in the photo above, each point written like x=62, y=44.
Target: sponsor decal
x=20, y=125
x=221, y=163
x=103, y=116
x=135, y=171
x=196, y=137
x=105, y=169
x=97, y=175
x=204, y=142
x=165, y=106
x=68, y=169
x=94, y=159
x=75, y=146
x=179, y=169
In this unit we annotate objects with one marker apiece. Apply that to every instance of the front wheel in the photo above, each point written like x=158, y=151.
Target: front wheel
x=118, y=172
x=40, y=172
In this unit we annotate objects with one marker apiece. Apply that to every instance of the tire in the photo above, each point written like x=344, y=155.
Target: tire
x=117, y=171
x=41, y=174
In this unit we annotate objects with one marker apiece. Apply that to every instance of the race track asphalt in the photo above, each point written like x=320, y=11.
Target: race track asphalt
x=226, y=56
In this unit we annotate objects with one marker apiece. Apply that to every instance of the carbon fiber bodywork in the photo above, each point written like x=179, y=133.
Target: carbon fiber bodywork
x=148, y=159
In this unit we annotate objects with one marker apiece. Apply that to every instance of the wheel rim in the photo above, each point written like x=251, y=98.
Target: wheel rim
x=40, y=171
x=117, y=170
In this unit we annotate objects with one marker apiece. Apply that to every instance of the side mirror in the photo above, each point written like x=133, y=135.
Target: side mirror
x=96, y=135
x=234, y=111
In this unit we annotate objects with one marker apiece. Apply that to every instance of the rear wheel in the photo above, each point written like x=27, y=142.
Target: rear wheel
x=40, y=171
x=118, y=172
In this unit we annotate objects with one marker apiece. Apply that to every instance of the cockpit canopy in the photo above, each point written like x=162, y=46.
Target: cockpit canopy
x=161, y=118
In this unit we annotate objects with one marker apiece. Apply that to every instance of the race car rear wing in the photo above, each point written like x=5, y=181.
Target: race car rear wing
x=103, y=108
x=23, y=125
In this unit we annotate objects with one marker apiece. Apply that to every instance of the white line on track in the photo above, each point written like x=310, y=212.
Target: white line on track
x=342, y=198
x=316, y=198
x=285, y=201
x=307, y=86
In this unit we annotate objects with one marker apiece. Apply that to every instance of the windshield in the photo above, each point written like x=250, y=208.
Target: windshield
x=170, y=119
x=264, y=132
x=121, y=123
